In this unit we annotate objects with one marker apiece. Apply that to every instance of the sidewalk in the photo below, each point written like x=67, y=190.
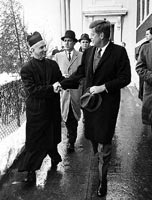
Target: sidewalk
x=76, y=178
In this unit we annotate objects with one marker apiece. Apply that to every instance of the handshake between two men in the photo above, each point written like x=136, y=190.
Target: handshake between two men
x=93, y=90
x=57, y=87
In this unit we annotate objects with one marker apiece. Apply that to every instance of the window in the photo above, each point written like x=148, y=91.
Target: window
x=143, y=9
x=148, y=3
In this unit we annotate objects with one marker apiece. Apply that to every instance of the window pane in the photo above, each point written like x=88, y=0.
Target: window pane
x=143, y=8
x=147, y=7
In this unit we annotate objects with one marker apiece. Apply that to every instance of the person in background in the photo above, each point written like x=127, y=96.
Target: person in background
x=68, y=61
x=148, y=37
x=84, y=42
x=144, y=70
x=106, y=67
x=43, y=114
x=123, y=44
x=55, y=50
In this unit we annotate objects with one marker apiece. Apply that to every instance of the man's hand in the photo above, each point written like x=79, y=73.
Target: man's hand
x=57, y=87
x=97, y=89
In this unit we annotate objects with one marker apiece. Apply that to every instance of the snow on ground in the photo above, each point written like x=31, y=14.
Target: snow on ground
x=10, y=148
x=8, y=77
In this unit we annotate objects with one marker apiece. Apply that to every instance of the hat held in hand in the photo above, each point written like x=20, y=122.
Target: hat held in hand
x=90, y=102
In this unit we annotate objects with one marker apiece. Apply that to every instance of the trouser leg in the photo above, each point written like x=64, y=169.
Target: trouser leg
x=104, y=155
x=54, y=155
x=31, y=160
x=71, y=125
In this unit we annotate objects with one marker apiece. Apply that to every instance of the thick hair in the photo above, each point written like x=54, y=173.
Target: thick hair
x=105, y=28
x=150, y=30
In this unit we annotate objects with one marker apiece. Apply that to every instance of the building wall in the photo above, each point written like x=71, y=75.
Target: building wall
x=121, y=13
x=129, y=35
x=144, y=21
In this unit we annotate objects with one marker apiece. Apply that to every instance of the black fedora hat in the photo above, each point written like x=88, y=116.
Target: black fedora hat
x=69, y=34
x=85, y=36
x=90, y=102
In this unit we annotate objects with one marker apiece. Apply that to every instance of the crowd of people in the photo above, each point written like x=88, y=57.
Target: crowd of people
x=89, y=80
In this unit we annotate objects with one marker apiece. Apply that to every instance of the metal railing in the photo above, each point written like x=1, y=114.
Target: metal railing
x=12, y=107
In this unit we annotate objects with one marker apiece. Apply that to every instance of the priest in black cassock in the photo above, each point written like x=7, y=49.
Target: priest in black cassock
x=43, y=125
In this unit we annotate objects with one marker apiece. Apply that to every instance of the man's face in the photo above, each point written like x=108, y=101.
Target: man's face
x=148, y=35
x=95, y=37
x=39, y=50
x=84, y=44
x=68, y=44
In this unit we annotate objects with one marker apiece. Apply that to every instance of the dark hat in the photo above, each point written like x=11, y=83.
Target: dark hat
x=97, y=22
x=34, y=38
x=69, y=34
x=90, y=102
x=55, y=51
x=85, y=36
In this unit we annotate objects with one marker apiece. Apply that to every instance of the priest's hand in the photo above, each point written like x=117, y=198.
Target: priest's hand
x=57, y=87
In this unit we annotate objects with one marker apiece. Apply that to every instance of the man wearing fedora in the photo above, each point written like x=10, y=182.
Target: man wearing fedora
x=84, y=42
x=68, y=61
x=43, y=124
x=107, y=69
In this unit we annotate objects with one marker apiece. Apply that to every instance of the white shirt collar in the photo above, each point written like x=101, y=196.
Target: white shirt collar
x=71, y=53
x=104, y=48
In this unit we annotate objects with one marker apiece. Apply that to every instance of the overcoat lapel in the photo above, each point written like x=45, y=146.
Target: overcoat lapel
x=105, y=56
x=74, y=57
x=91, y=58
x=89, y=69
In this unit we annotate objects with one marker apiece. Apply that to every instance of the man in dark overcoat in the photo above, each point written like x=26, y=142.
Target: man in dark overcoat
x=43, y=125
x=148, y=37
x=144, y=70
x=107, y=69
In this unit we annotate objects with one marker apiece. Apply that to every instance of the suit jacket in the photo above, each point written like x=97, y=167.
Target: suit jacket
x=73, y=95
x=114, y=71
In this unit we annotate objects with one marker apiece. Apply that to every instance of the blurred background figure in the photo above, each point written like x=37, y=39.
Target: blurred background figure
x=123, y=44
x=55, y=50
x=84, y=42
x=148, y=37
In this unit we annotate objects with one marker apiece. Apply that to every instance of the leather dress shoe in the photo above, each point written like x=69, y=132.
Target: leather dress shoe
x=70, y=148
x=31, y=177
x=102, y=189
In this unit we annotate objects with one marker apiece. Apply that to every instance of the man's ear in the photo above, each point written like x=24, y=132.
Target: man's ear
x=102, y=35
x=31, y=50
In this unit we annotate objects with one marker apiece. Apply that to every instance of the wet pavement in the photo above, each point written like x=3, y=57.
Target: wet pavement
x=76, y=178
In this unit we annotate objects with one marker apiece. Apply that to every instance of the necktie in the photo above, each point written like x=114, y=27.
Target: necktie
x=97, y=57
x=99, y=52
x=69, y=56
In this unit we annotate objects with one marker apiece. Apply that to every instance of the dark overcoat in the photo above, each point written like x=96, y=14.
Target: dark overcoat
x=114, y=71
x=43, y=126
x=144, y=70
